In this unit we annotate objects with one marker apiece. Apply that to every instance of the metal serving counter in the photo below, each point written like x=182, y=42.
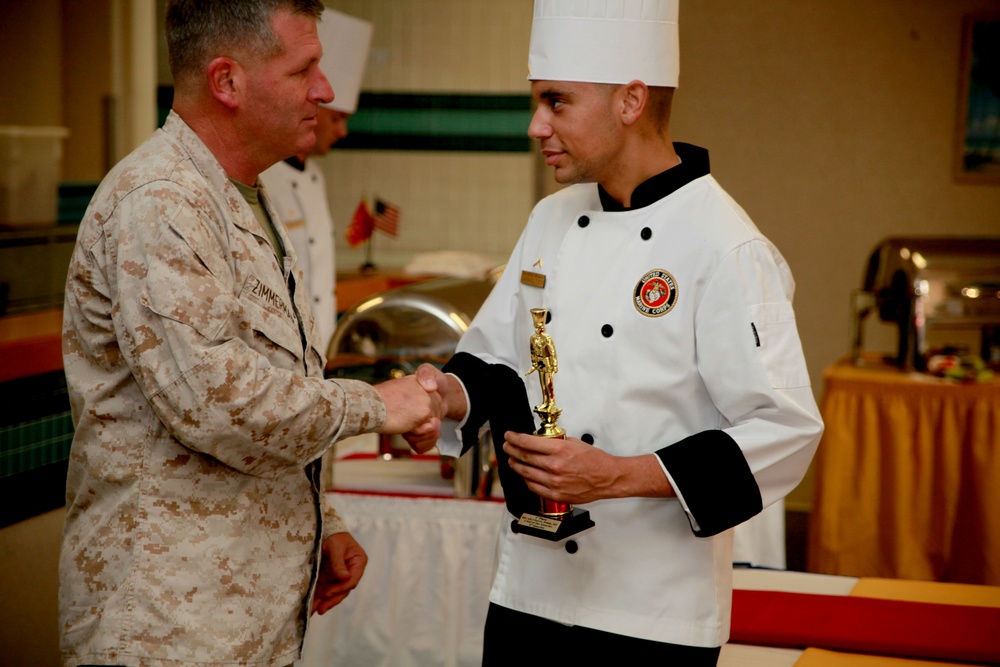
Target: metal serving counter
x=928, y=285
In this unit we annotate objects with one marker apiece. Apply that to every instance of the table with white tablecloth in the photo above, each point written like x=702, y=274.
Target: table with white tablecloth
x=424, y=596
x=425, y=593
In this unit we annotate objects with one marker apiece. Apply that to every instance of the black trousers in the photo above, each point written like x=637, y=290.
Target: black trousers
x=515, y=639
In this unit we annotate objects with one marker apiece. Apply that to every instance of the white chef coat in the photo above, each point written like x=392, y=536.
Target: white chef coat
x=715, y=383
x=299, y=197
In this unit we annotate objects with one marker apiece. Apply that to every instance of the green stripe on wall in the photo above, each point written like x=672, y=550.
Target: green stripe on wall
x=35, y=444
x=36, y=432
x=400, y=121
x=428, y=122
x=440, y=123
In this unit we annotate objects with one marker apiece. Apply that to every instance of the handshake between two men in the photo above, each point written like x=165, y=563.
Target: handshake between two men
x=566, y=470
x=415, y=405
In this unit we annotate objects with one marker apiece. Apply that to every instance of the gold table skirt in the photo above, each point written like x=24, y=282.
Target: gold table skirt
x=907, y=477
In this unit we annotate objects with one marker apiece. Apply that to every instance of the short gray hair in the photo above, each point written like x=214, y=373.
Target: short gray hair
x=200, y=30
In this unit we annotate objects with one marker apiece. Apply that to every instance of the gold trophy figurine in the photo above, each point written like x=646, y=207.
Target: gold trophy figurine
x=545, y=361
x=555, y=520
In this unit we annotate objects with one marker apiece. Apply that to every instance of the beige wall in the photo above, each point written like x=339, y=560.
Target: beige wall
x=29, y=630
x=30, y=62
x=830, y=121
x=68, y=61
x=86, y=86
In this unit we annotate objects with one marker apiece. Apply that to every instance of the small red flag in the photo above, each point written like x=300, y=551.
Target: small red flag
x=387, y=217
x=361, y=227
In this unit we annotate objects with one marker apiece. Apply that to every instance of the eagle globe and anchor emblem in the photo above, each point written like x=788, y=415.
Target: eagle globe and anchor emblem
x=655, y=294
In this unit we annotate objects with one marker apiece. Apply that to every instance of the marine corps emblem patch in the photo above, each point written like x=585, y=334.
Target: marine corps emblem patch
x=655, y=293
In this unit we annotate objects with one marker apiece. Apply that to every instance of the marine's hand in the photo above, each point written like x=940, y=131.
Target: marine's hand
x=452, y=393
x=571, y=471
x=423, y=438
x=431, y=379
x=411, y=404
x=341, y=566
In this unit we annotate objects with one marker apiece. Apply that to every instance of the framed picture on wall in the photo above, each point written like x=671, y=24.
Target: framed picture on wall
x=978, y=121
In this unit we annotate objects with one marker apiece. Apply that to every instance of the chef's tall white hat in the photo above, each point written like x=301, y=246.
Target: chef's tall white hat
x=605, y=41
x=346, y=41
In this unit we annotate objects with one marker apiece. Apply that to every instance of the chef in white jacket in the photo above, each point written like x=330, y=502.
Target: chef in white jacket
x=297, y=187
x=682, y=383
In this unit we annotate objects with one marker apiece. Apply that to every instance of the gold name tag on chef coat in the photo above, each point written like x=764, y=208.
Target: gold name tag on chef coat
x=533, y=279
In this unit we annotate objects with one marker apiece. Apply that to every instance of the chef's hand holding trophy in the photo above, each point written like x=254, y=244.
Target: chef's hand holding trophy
x=508, y=407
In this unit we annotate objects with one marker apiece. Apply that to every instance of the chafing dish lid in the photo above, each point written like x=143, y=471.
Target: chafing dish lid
x=422, y=321
x=959, y=277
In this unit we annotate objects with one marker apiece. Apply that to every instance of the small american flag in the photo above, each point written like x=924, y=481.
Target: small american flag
x=386, y=217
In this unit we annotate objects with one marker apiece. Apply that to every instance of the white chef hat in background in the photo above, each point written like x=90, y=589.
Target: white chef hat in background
x=605, y=41
x=346, y=42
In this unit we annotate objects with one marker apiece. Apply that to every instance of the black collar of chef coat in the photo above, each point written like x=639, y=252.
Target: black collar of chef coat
x=694, y=164
x=295, y=163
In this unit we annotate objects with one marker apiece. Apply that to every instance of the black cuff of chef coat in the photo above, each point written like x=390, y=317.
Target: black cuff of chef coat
x=474, y=374
x=496, y=395
x=712, y=474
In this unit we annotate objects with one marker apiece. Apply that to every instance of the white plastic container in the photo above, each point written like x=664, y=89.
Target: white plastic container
x=30, y=166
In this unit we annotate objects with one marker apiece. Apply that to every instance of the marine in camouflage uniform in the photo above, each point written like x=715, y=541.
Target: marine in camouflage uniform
x=194, y=506
x=196, y=530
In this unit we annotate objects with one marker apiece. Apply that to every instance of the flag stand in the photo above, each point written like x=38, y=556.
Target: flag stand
x=369, y=265
x=363, y=225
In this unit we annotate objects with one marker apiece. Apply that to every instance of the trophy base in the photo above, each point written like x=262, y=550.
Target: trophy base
x=551, y=528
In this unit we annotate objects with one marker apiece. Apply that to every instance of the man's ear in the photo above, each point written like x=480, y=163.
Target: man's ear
x=634, y=97
x=225, y=81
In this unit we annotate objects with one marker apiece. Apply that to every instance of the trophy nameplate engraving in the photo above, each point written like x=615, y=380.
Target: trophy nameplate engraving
x=539, y=522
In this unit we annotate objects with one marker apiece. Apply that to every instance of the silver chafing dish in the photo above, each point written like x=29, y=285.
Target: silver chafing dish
x=934, y=291
x=392, y=333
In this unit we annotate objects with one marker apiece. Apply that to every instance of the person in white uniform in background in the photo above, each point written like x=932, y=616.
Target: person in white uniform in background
x=297, y=186
x=684, y=390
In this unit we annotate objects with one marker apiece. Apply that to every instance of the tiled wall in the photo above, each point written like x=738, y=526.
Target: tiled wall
x=467, y=46
x=455, y=201
x=33, y=264
x=474, y=201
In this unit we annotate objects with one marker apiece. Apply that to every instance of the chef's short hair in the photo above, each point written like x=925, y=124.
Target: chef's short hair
x=199, y=31
x=660, y=102
x=657, y=106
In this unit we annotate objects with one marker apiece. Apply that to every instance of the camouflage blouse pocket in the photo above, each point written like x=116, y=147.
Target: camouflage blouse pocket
x=269, y=315
x=187, y=292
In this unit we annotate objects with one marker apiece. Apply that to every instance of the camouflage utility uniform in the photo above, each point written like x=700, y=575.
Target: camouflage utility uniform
x=194, y=509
